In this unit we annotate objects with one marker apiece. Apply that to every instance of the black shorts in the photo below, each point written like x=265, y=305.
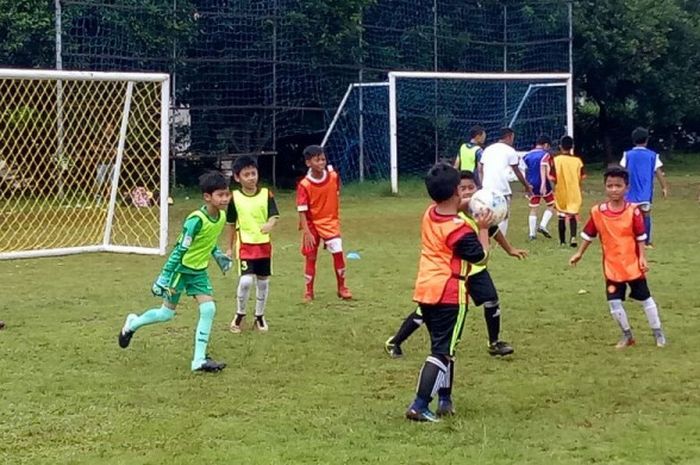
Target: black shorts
x=481, y=288
x=444, y=324
x=257, y=266
x=639, y=289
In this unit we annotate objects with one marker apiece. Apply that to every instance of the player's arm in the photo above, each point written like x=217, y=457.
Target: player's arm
x=515, y=165
x=307, y=237
x=508, y=247
x=470, y=246
x=481, y=171
x=457, y=163
x=544, y=174
x=230, y=231
x=273, y=215
x=661, y=176
x=588, y=234
x=640, y=234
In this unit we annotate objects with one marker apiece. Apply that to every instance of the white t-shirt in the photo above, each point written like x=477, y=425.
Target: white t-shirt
x=497, y=160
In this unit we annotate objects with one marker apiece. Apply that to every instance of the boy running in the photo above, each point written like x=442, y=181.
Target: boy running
x=251, y=215
x=622, y=235
x=186, y=270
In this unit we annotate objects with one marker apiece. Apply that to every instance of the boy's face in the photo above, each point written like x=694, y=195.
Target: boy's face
x=615, y=188
x=247, y=177
x=481, y=138
x=317, y=163
x=466, y=189
x=220, y=198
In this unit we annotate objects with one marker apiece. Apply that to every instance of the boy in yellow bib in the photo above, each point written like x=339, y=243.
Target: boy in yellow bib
x=186, y=270
x=251, y=215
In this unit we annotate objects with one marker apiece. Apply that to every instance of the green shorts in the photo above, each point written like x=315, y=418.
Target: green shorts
x=192, y=284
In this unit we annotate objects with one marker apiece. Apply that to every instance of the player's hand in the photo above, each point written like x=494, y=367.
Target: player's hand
x=266, y=228
x=518, y=253
x=664, y=192
x=229, y=253
x=575, y=258
x=225, y=263
x=643, y=264
x=308, y=240
x=528, y=188
x=161, y=286
x=484, y=219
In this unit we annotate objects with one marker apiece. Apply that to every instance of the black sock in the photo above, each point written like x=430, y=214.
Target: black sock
x=429, y=377
x=562, y=230
x=445, y=392
x=573, y=225
x=408, y=327
x=492, y=315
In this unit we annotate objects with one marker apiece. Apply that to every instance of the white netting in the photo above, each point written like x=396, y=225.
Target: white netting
x=58, y=153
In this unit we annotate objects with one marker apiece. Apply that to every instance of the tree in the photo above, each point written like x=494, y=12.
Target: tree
x=27, y=33
x=636, y=62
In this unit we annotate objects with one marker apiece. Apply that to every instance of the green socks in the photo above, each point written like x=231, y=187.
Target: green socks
x=207, y=310
x=154, y=315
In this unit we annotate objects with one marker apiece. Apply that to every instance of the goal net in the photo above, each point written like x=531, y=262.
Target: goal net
x=83, y=162
x=404, y=126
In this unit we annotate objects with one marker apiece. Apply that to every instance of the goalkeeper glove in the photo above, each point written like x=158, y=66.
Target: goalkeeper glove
x=161, y=286
x=224, y=262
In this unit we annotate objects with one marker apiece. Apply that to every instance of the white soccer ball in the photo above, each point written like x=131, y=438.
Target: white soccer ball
x=486, y=199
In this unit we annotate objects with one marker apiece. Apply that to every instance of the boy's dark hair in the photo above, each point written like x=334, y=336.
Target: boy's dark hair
x=442, y=181
x=212, y=181
x=640, y=136
x=476, y=130
x=566, y=143
x=616, y=171
x=505, y=132
x=466, y=174
x=543, y=140
x=313, y=151
x=244, y=162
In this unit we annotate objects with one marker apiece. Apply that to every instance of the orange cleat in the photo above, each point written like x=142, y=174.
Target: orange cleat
x=344, y=293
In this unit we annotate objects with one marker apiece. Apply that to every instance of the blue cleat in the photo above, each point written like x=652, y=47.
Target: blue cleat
x=424, y=415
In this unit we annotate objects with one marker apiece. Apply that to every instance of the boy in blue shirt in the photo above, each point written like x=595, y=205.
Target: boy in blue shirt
x=539, y=166
x=643, y=165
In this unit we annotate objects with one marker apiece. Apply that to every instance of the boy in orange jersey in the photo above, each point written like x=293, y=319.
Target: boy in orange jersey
x=622, y=235
x=318, y=204
x=448, y=247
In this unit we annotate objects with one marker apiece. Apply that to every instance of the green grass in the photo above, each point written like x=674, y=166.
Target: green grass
x=318, y=389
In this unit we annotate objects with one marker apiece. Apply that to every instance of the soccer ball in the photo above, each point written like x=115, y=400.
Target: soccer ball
x=485, y=199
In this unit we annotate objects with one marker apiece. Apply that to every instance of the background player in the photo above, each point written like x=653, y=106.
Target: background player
x=538, y=162
x=470, y=152
x=568, y=174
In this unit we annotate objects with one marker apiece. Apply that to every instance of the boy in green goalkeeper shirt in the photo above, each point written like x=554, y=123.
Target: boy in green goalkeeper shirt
x=186, y=270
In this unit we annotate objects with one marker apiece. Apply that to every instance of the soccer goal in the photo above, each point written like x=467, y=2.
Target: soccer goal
x=83, y=162
x=403, y=126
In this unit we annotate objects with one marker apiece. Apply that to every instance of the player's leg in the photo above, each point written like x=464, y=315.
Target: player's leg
x=547, y=216
x=639, y=290
x=161, y=314
x=445, y=405
x=562, y=228
x=310, y=254
x=440, y=321
x=245, y=283
x=200, y=359
x=646, y=215
x=482, y=291
x=573, y=226
x=534, y=204
x=503, y=225
x=615, y=293
x=409, y=326
x=335, y=247
x=263, y=271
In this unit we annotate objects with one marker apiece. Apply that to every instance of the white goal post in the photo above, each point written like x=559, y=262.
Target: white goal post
x=538, y=80
x=83, y=162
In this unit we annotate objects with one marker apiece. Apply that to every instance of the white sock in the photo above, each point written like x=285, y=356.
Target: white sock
x=261, y=296
x=545, y=218
x=532, y=223
x=618, y=313
x=652, y=312
x=244, y=285
x=503, y=226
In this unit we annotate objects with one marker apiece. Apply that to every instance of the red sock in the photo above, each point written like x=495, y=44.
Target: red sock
x=339, y=265
x=310, y=272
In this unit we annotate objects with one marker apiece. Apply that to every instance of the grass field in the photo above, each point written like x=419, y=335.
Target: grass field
x=318, y=389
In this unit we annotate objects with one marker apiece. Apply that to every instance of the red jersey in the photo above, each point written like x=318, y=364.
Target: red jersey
x=620, y=233
x=320, y=199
